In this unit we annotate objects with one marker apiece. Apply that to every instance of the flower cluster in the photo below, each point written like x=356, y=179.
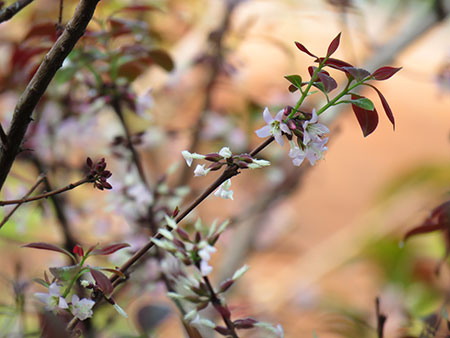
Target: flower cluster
x=310, y=134
x=98, y=174
x=194, y=289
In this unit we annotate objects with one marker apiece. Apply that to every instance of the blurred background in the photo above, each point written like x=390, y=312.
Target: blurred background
x=322, y=242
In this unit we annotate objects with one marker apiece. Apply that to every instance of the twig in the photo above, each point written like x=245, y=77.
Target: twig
x=40, y=81
x=40, y=179
x=8, y=12
x=381, y=318
x=48, y=194
x=227, y=174
x=217, y=303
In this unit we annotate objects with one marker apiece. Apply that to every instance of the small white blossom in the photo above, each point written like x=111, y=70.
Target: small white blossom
x=205, y=253
x=224, y=190
x=240, y=272
x=274, y=126
x=200, y=170
x=120, y=311
x=202, y=322
x=205, y=268
x=225, y=152
x=277, y=331
x=188, y=157
x=82, y=309
x=312, y=129
x=84, y=283
x=144, y=102
x=53, y=299
x=297, y=154
x=256, y=164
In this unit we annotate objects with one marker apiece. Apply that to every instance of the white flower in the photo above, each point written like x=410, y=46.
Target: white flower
x=82, y=309
x=205, y=268
x=277, y=331
x=256, y=164
x=205, y=253
x=274, y=126
x=240, y=272
x=225, y=152
x=297, y=154
x=188, y=157
x=120, y=311
x=312, y=129
x=200, y=170
x=52, y=299
x=144, y=102
x=224, y=190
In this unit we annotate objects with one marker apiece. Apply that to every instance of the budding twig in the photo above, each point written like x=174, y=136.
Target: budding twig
x=40, y=179
x=229, y=172
x=48, y=194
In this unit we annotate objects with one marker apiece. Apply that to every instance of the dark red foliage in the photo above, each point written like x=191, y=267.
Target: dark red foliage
x=385, y=104
x=367, y=119
x=385, y=73
x=109, y=249
x=47, y=246
x=78, y=250
x=304, y=50
x=103, y=282
x=334, y=45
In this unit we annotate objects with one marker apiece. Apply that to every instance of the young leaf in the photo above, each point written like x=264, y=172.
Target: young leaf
x=334, y=45
x=65, y=273
x=292, y=89
x=109, y=249
x=115, y=271
x=385, y=73
x=385, y=104
x=304, y=50
x=367, y=119
x=48, y=246
x=328, y=82
x=363, y=103
x=358, y=73
x=102, y=282
x=296, y=80
x=335, y=63
x=423, y=229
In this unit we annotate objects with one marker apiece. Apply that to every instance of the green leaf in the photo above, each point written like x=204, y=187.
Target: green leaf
x=65, y=273
x=296, y=80
x=364, y=103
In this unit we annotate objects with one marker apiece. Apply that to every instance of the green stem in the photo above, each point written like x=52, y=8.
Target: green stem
x=344, y=92
x=72, y=282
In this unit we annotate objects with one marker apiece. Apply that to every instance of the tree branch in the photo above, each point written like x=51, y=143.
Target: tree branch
x=227, y=174
x=48, y=194
x=8, y=12
x=40, y=81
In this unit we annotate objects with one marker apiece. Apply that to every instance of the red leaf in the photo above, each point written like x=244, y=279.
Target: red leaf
x=385, y=73
x=48, y=246
x=102, y=282
x=108, y=250
x=304, y=50
x=138, y=8
x=328, y=82
x=358, y=73
x=385, y=104
x=367, y=119
x=46, y=29
x=335, y=63
x=78, y=250
x=423, y=229
x=292, y=88
x=334, y=45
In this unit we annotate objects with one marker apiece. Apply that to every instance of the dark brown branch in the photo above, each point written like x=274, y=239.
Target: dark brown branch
x=227, y=174
x=40, y=81
x=8, y=12
x=381, y=319
x=3, y=137
x=8, y=216
x=217, y=303
x=48, y=194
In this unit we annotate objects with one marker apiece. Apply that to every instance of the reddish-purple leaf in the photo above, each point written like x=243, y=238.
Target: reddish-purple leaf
x=443, y=209
x=385, y=73
x=78, y=250
x=367, y=119
x=110, y=249
x=358, y=73
x=138, y=8
x=385, y=104
x=304, y=50
x=328, y=82
x=89, y=162
x=423, y=229
x=292, y=88
x=41, y=30
x=115, y=271
x=335, y=63
x=48, y=246
x=102, y=282
x=334, y=45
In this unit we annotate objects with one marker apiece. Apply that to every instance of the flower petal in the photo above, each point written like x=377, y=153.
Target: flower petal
x=263, y=132
x=267, y=116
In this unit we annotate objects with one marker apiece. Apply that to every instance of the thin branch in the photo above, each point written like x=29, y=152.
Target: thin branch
x=216, y=303
x=8, y=12
x=40, y=81
x=48, y=194
x=227, y=174
x=40, y=179
x=381, y=319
